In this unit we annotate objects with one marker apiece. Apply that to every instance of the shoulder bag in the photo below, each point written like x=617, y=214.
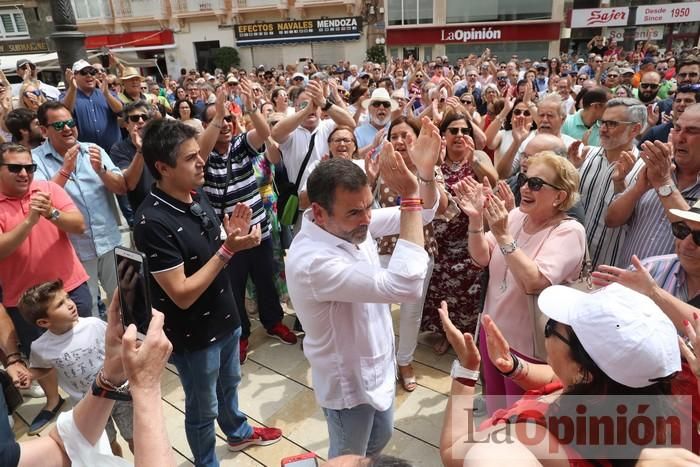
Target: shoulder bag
x=288, y=193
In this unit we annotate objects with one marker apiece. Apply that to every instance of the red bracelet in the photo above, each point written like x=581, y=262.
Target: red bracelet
x=226, y=251
x=64, y=174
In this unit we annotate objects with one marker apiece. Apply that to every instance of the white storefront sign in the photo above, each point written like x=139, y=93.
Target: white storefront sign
x=615, y=34
x=668, y=13
x=649, y=33
x=599, y=17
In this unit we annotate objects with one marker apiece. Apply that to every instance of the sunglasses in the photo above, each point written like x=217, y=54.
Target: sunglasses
x=649, y=86
x=197, y=210
x=519, y=112
x=87, y=71
x=680, y=231
x=228, y=118
x=136, y=118
x=533, y=183
x=613, y=76
x=467, y=101
x=502, y=78
x=466, y=131
x=36, y=92
x=17, y=168
x=58, y=126
x=612, y=124
x=342, y=141
x=378, y=104
x=550, y=330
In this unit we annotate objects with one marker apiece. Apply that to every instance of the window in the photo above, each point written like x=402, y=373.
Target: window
x=91, y=9
x=403, y=12
x=503, y=50
x=13, y=24
x=498, y=10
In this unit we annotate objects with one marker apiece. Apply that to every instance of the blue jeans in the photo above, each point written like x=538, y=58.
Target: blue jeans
x=210, y=378
x=361, y=430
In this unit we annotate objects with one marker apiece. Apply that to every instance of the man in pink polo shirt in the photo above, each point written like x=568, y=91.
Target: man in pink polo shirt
x=35, y=219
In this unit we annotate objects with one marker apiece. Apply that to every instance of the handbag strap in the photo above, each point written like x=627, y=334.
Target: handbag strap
x=305, y=162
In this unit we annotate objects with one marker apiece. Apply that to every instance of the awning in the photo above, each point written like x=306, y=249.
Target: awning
x=8, y=63
x=49, y=61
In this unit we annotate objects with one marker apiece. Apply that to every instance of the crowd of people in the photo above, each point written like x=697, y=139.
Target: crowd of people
x=470, y=193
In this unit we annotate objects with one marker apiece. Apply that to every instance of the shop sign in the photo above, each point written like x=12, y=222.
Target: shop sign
x=311, y=30
x=599, y=17
x=615, y=34
x=649, y=33
x=469, y=34
x=668, y=13
x=21, y=47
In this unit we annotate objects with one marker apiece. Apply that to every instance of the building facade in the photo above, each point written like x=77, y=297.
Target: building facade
x=456, y=28
x=185, y=33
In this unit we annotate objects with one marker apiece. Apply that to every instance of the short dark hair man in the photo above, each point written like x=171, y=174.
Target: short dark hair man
x=181, y=236
x=126, y=154
x=342, y=294
x=24, y=127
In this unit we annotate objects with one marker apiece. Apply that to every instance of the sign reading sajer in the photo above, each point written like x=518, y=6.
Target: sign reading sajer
x=280, y=32
x=597, y=17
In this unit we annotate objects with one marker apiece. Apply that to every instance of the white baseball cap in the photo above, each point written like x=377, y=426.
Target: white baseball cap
x=81, y=64
x=624, y=332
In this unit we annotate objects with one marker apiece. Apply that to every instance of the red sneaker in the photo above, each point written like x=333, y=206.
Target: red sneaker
x=261, y=436
x=282, y=332
x=243, y=349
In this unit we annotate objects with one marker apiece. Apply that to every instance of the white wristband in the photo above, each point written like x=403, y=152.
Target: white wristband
x=458, y=371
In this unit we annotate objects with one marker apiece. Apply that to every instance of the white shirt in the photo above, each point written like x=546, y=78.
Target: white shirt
x=342, y=296
x=295, y=147
x=77, y=355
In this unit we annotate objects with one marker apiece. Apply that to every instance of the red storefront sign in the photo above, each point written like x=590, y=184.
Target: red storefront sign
x=130, y=39
x=473, y=33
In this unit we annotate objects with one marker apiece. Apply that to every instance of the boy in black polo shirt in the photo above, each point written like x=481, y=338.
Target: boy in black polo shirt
x=181, y=236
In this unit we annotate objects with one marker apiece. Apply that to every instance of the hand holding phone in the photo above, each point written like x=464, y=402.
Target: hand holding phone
x=134, y=292
x=308, y=459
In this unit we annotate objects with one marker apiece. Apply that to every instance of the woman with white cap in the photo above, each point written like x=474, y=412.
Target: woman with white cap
x=603, y=349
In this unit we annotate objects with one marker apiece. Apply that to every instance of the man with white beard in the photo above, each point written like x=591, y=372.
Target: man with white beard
x=379, y=106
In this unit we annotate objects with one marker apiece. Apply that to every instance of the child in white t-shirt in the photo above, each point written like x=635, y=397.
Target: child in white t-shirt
x=74, y=347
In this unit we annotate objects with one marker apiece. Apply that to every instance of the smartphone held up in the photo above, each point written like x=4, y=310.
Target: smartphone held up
x=134, y=295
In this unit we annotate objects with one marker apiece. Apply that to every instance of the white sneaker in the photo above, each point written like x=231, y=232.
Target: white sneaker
x=34, y=391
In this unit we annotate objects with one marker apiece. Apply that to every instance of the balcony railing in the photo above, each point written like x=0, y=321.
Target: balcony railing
x=257, y=3
x=138, y=8
x=91, y=10
x=195, y=6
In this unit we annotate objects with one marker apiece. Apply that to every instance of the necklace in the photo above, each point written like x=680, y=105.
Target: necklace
x=455, y=165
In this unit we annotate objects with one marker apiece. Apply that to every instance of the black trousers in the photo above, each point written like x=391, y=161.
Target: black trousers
x=258, y=264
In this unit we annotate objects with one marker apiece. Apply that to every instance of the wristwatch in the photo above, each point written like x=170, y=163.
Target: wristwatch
x=327, y=105
x=55, y=214
x=508, y=248
x=463, y=375
x=666, y=190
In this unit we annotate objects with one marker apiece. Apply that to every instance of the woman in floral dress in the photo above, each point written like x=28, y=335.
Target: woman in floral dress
x=456, y=278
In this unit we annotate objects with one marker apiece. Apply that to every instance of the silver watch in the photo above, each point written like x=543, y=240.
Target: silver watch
x=55, y=214
x=508, y=248
x=666, y=190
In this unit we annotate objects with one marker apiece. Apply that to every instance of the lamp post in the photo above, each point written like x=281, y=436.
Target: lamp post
x=68, y=41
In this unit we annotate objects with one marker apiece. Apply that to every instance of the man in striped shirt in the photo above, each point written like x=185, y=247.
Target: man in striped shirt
x=644, y=210
x=608, y=170
x=230, y=179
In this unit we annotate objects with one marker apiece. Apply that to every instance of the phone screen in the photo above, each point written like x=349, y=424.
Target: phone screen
x=300, y=461
x=134, y=296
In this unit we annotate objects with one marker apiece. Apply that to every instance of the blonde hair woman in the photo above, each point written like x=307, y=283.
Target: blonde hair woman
x=30, y=96
x=527, y=249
